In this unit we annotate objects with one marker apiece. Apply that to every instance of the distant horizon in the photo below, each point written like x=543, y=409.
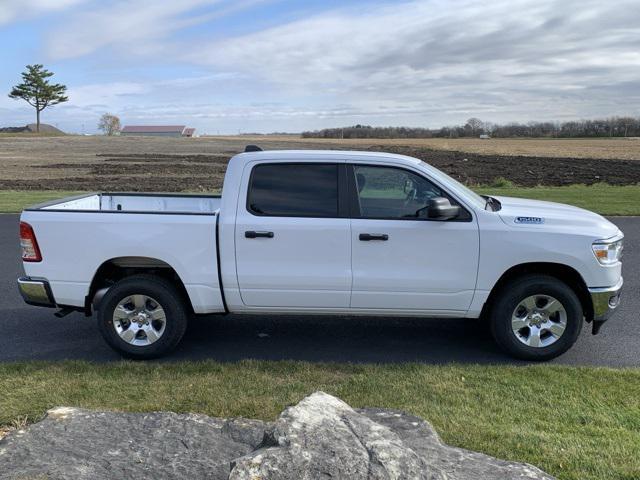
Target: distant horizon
x=233, y=66
x=618, y=124
x=95, y=131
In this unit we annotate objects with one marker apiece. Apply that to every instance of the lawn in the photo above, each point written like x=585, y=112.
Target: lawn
x=574, y=422
x=601, y=198
x=12, y=201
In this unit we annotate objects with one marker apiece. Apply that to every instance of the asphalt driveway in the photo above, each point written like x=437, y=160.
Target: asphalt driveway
x=32, y=333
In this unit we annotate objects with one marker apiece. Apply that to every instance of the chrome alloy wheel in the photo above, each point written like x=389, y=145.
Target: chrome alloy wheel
x=539, y=321
x=139, y=320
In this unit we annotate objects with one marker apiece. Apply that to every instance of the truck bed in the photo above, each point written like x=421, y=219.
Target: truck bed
x=166, y=203
x=79, y=235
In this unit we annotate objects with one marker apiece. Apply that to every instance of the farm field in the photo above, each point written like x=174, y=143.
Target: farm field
x=180, y=164
x=610, y=148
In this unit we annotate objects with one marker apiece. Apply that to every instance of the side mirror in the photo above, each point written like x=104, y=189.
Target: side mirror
x=440, y=208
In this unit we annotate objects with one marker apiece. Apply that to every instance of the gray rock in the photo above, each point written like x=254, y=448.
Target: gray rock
x=454, y=463
x=71, y=443
x=320, y=438
x=323, y=437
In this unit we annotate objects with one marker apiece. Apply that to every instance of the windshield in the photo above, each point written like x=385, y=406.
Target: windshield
x=469, y=194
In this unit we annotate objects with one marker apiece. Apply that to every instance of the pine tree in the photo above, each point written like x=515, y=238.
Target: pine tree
x=36, y=90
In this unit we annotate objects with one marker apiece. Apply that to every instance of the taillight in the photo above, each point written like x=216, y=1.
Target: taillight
x=29, y=244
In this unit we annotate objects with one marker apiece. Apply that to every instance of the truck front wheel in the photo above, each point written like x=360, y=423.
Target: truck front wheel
x=142, y=317
x=536, y=317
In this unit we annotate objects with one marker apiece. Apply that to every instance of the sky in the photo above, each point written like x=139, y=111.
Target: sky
x=230, y=66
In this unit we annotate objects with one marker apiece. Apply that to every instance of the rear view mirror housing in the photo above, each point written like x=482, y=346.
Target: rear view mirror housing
x=440, y=208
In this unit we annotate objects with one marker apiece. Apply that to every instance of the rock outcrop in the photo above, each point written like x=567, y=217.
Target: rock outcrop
x=319, y=438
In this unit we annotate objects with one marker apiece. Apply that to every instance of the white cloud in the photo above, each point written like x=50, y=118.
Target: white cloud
x=114, y=93
x=419, y=62
x=135, y=26
x=510, y=59
x=15, y=9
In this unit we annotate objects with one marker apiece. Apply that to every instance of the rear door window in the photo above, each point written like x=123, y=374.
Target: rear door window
x=294, y=190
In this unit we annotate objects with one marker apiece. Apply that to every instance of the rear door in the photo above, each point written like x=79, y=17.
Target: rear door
x=293, y=237
x=401, y=260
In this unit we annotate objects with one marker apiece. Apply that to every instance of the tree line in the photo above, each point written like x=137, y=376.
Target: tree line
x=603, y=127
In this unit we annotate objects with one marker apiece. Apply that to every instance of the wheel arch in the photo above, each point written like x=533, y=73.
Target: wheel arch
x=116, y=269
x=562, y=272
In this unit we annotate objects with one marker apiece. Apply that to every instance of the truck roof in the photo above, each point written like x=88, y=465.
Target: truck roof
x=329, y=154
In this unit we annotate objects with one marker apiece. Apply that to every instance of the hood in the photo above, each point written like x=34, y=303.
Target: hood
x=538, y=214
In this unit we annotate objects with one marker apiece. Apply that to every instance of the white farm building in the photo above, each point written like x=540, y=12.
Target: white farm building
x=157, y=131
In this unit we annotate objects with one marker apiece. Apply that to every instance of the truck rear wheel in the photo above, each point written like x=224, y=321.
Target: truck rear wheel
x=536, y=317
x=142, y=317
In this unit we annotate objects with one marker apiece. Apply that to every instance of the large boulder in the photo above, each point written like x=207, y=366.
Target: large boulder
x=71, y=443
x=320, y=437
x=323, y=437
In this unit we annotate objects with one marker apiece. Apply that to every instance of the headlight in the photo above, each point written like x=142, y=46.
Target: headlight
x=608, y=252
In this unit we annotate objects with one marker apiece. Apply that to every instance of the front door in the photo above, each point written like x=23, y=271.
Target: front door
x=293, y=241
x=401, y=260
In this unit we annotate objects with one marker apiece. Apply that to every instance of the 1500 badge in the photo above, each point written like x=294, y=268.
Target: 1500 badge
x=530, y=220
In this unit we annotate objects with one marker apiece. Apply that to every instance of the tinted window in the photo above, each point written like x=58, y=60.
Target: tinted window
x=299, y=190
x=387, y=192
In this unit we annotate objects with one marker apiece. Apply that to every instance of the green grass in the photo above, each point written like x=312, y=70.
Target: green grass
x=501, y=182
x=575, y=423
x=601, y=198
x=13, y=201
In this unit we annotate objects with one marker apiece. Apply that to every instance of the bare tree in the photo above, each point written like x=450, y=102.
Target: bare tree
x=475, y=124
x=109, y=124
x=36, y=90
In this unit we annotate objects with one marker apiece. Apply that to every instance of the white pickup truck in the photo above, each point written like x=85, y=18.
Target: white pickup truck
x=324, y=232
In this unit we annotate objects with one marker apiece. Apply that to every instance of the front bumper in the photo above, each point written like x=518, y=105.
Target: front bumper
x=36, y=291
x=605, y=300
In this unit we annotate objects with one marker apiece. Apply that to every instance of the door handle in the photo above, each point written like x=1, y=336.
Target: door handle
x=367, y=237
x=253, y=234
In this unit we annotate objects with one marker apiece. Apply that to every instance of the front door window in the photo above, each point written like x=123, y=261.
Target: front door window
x=393, y=193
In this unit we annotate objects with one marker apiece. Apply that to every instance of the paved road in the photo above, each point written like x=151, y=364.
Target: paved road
x=28, y=333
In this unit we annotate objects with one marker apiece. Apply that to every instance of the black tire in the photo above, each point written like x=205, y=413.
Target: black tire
x=167, y=297
x=515, y=292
